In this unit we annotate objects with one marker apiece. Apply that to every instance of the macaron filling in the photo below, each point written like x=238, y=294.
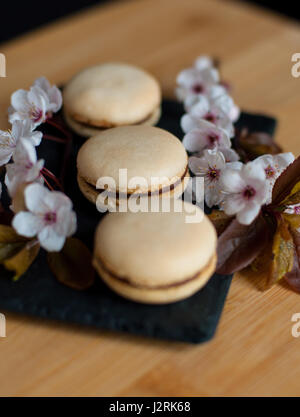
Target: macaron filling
x=104, y=124
x=127, y=281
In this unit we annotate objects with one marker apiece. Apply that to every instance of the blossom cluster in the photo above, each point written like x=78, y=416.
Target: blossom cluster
x=49, y=215
x=238, y=188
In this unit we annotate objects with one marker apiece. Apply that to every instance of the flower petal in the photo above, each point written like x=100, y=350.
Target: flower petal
x=249, y=213
x=232, y=180
x=56, y=199
x=194, y=141
x=215, y=158
x=188, y=123
x=213, y=195
x=203, y=61
x=35, y=197
x=19, y=100
x=198, y=166
x=66, y=222
x=50, y=240
x=27, y=224
x=197, y=107
x=233, y=203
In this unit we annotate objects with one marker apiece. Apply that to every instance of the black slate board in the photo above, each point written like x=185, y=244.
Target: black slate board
x=38, y=293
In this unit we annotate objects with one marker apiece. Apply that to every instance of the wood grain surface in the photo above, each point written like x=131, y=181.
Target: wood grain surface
x=253, y=352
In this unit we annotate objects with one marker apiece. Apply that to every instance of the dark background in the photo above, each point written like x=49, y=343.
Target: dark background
x=20, y=16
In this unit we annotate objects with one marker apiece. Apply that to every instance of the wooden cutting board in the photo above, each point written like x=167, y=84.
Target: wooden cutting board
x=253, y=352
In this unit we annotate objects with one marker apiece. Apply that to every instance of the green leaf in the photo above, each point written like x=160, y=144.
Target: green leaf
x=20, y=262
x=286, y=182
x=283, y=253
x=10, y=242
x=293, y=197
x=72, y=266
x=293, y=220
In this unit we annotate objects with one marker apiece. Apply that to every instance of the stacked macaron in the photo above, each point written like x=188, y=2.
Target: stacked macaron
x=155, y=257
x=111, y=95
x=146, y=256
x=125, y=154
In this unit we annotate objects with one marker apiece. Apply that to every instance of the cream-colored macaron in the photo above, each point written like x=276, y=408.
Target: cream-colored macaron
x=110, y=95
x=138, y=159
x=157, y=257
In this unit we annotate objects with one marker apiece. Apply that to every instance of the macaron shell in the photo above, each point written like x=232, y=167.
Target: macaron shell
x=112, y=94
x=152, y=249
x=88, y=131
x=145, y=151
x=158, y=296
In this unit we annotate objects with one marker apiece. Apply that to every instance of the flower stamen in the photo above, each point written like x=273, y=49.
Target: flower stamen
x=249, y=192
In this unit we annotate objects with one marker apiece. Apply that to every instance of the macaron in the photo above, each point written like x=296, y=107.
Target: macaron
x=111, y=95
x=155, y=258
x=126, y=153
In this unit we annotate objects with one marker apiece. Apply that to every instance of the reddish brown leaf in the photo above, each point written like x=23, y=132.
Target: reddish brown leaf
x=286, y=182
x=252, y=145
x=239, y=245
x=72, y=266
x=293, y=277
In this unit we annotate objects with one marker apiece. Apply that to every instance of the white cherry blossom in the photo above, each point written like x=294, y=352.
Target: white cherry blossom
x=49, y=217
x=230, y=154
x=193, y=81
x=210, y=166
x=25, y=168
x=203, y=61
x=8, y=145
x=217, y=119
x=205, y=136
x=245, y=191
x=32, y=105
x=273, y=166
x=292, y=209
x=215, y=97
x=52, y=92
x=21, y=129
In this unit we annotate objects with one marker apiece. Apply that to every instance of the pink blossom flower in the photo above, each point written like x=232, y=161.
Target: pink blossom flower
x=218, y=119
x=21, y=129
x=245, y=191
x=292, y=209
x=25, y=168
x=205, y=136
x=230, y=154
x=203, y=61
x=273, y=166
x=32, y=105
x=209, y=166
x=193, y=81
x=215, y=97
x=50, y=217
x=53, y=94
